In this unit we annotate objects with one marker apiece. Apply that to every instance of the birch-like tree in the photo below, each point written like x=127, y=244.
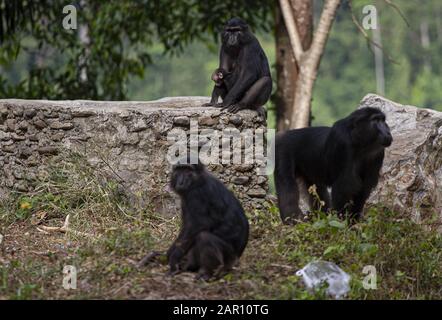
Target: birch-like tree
x=308, y=60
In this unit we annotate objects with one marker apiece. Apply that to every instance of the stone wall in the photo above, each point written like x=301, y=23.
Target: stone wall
x=127, y=140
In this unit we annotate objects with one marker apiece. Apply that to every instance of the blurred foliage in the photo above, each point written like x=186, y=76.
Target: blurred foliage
x=144, y=50
x=115, y=46
x=412, y=76
x=185, y=74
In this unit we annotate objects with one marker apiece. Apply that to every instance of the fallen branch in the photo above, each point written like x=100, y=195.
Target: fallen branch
x=283, y=266
x=64, y=229
x=42, y=231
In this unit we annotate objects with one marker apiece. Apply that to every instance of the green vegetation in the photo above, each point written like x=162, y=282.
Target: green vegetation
x=148, y=52
x=114, y=43
x=412, y=73
x=107, y=236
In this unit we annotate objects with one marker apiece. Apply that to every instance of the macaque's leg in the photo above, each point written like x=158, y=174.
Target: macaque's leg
x=257, y=96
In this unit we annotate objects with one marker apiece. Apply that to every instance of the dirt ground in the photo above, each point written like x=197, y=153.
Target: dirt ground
x=106, y=246
x=33, y=263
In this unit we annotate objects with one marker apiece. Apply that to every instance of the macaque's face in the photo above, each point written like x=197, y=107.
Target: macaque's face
x=217, y=77
x=185, y=177
x=234, y=33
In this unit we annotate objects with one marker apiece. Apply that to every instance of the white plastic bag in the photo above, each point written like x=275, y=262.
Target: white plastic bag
x=316, y=273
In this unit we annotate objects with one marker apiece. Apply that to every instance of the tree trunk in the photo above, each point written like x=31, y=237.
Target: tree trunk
x=425, y=40
x=309, y=63
x=286, y=67
x=439, y=26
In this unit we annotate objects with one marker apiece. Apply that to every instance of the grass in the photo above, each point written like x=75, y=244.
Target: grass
x=107, y=238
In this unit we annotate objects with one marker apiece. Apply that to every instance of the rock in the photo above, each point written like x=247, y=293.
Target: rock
x=65, y=117
x=131, y=139
x=181, y=121
x=50, y=115
x=23, y=125
x=21, y=186
x=31, y=176
x=30, y=113
x=17, y=111
x=25, y=153
x=240, y=180
x=82, y=137
x=5, y=136
x=10, y=124
x=4, y=111
x=61, y=125
x=40, y=124
x=58, y=136
x=126, y=115
x=17, y=137
x=411, y=176
x=18, y=174
x=48, y=150
x=243, y=167
x=257, y=193
x=207, y=121
x=140, y=125
x=261, y=180
x=9, y=148
x=33, y=161
x=8, y=142
x=82, y=113
x=33, y=137
x=236, y=120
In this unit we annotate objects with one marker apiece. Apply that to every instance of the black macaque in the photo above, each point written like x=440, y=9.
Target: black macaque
x=222, y=82
x=242, y=56
x=346, y=157
x=214, y=230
